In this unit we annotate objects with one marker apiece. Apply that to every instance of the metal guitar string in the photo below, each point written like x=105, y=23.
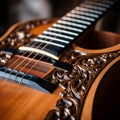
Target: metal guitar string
x=26, y=59
x=17, y=61
x=26, y=51
x=40, y=58
x=30, y=59
x=28, y=56
x=34, y=57
x=36, y=62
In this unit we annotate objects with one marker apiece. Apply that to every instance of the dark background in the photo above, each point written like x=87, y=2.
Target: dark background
x=11, y=11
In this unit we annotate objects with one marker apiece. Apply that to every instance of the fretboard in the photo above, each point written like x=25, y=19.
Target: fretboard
x=66, y=30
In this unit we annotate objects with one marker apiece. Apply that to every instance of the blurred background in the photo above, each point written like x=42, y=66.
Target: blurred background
x=12, y=11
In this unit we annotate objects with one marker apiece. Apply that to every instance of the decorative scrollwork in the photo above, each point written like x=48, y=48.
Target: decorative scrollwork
x=21, y=34
x=76, y=83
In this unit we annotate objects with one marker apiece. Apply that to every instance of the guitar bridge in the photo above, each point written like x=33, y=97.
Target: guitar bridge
x=27, y=79
x=27, y=71
x=31, y=72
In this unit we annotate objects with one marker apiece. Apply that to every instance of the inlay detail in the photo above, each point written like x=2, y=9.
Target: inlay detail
x=21, y=34
x=76, y=83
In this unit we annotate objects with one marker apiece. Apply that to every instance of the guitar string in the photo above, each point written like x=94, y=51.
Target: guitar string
x=10, y=66
x=22, y=55
x=32, y=58
x=28, y=63
x=38, y=60
x=35, y=56
x=28, y=71
x=15, y=62
x=19, y=58
x=32, y=66
x=26, y=59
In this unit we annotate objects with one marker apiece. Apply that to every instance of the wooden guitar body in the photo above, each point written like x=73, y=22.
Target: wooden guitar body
x=78, y=90
x=22, y=103
x=18, y=102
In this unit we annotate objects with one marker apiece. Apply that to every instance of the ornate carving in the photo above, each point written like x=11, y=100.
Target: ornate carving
x=77, y=83
x=21, y=34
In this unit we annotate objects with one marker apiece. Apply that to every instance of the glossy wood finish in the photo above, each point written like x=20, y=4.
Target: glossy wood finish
x=23, y=103
x=18, y=102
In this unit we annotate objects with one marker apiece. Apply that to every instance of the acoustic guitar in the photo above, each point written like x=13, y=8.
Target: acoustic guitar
x=61, y=69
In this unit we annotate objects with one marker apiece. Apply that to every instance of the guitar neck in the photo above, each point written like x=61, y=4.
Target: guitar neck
x=67, y=29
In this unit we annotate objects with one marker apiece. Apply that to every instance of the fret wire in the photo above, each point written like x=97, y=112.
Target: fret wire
x=93, y=7
x=59, y=35
x=89, y=10
x=80, y=17
x=51, y=55
x=75, y=20
x=52, y=38
x=48, y=42
x=20, y=62
x=38, y=51
x=62, y=31
x=31, y=68
x=17, y=61
x=67, y=27
x=84, y=13
x=71, y=24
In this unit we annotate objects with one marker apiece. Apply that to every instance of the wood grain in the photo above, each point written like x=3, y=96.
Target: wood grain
x=22, y=103
x=19, y=102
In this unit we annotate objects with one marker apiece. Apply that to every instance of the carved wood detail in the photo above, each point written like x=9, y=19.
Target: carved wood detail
x=76, y=83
